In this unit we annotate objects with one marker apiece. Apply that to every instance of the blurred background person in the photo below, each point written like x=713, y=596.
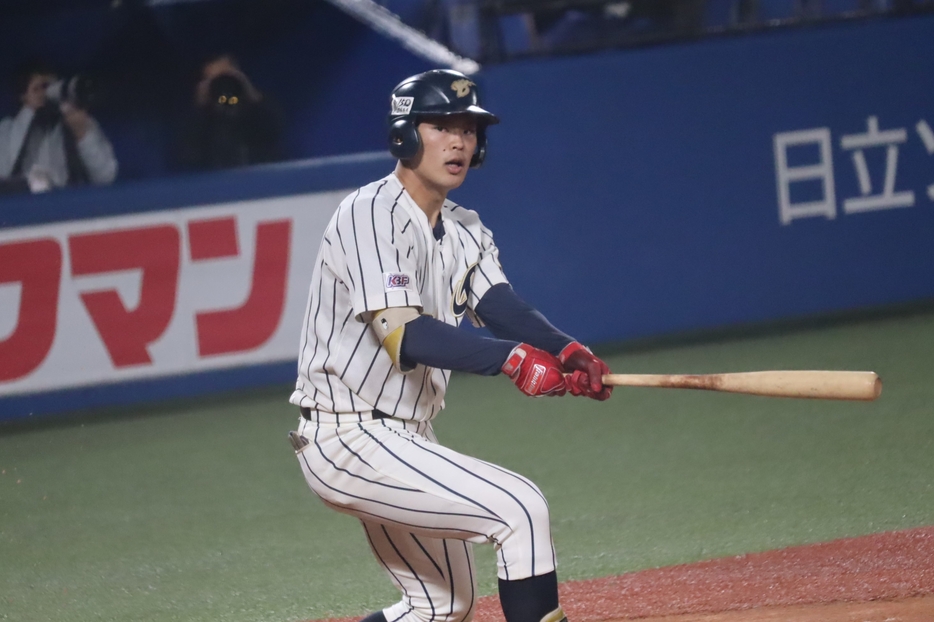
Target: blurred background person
x=233, y=124
x=53, y=141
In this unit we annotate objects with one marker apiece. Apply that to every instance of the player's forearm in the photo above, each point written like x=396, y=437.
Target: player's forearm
x=509, y=317
x=433, y=343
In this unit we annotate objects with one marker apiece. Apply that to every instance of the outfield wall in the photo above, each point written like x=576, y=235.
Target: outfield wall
x=632, y=194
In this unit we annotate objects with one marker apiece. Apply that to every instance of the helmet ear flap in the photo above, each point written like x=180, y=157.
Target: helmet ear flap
x=403, y=139
x=476, y=161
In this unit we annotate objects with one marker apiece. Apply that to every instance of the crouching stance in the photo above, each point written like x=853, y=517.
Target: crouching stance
x=399, y=267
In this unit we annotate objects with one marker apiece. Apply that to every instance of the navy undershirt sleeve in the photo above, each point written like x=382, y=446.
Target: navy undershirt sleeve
x=511, y=320
x=509, y=317
x=433, y=343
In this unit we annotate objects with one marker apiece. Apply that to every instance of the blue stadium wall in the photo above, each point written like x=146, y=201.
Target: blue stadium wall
x=640, y=193
x=637, y=193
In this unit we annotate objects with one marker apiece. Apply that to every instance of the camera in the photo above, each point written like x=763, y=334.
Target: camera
x=228, y=96
x=78, y=90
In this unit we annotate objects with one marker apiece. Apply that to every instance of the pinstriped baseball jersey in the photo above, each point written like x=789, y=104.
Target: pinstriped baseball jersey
x=379, y=251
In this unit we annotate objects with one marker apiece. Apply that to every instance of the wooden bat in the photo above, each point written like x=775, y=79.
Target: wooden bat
x=827, y=385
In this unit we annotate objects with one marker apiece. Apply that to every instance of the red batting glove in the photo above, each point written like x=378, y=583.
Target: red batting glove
x=534, y=371
x=588, y=370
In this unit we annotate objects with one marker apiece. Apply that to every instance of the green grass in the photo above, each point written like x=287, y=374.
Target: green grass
x=198, y=511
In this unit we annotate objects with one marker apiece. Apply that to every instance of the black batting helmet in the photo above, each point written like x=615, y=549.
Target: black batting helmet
x=435, y=92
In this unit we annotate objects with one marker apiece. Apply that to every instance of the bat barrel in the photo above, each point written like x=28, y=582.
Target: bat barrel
x=820, y=384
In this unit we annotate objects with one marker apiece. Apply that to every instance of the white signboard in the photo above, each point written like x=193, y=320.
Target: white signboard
x=157, y=294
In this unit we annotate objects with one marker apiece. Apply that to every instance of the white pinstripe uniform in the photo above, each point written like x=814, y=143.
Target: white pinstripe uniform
x=421, y=504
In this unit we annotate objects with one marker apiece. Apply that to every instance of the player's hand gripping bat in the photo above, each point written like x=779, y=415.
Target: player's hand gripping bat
x=827, y=385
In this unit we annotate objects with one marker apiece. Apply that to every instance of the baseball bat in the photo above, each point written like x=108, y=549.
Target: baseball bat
x=827, y=385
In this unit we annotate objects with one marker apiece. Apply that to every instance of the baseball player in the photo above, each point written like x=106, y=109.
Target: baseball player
x=399, y=267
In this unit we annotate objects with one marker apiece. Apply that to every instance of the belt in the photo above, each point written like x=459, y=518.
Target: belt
x=374, y=414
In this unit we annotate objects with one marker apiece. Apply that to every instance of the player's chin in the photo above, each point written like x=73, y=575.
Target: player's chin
x=454, y=174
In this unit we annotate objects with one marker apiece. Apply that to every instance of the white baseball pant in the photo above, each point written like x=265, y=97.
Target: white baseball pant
x=421, y=505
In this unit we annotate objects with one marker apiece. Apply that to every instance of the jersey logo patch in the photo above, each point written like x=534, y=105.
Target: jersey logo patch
x=402, y=105
x=462, y=87
x=394, y=281
x=462, y=292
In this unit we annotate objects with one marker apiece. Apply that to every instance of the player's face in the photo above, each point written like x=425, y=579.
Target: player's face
x=448, y=143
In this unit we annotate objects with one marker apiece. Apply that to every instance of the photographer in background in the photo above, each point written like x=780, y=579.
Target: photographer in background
x=233, y=124
x=52, y=141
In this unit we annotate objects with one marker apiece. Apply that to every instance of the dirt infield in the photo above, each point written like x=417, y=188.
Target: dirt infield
x=887, y=577
x=916, y=609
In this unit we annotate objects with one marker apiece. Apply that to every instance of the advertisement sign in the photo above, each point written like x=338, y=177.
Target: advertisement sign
x=711, y=184
x=156, y=294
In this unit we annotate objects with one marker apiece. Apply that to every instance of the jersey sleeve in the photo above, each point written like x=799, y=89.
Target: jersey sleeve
x=376, y=238
x=487, y=274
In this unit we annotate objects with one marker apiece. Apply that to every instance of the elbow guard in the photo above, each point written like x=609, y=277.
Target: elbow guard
x=389, y=325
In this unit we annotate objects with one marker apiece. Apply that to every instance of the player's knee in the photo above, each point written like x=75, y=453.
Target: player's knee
x=525, y=538
x=530, y=511
x=526, y=516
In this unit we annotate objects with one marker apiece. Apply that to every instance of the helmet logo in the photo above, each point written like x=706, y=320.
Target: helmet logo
x=462, y=87
x=402, y=105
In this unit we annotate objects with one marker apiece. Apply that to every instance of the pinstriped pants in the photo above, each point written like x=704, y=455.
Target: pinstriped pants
x=422, y=506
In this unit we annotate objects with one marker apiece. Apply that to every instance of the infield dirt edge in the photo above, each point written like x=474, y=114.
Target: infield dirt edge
x=884, y=577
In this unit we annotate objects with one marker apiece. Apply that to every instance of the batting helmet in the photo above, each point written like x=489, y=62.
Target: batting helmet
x=436, y=92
